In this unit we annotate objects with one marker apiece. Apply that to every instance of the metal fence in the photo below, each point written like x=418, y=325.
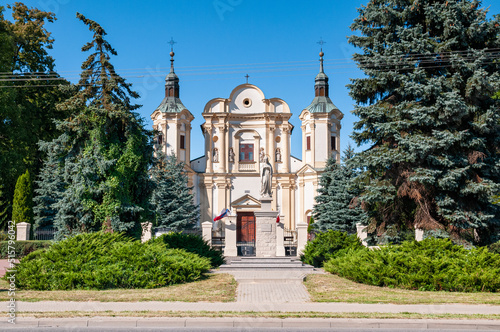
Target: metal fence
x=219, y=235
x=45, y=233
x=290, y=242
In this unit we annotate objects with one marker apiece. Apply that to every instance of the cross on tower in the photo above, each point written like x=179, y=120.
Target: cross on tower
x=247, y=76
x=172, y=42
x=321, y=42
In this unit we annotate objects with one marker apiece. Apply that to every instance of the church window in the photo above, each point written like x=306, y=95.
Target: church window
x=333, y=142
x=308, y=142
x=246, y=152
x=182, y=142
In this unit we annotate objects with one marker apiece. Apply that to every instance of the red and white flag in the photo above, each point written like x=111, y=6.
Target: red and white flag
x=278, y=218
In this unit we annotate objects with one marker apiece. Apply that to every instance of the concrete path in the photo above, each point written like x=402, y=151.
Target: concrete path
x=246, y=324
x=270, y=286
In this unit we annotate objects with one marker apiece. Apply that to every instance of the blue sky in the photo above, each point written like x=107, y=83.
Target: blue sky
x=218, y=43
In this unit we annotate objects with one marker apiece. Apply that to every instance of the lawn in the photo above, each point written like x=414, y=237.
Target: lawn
x=332, y=288
x=213, y=288
x=255, y=314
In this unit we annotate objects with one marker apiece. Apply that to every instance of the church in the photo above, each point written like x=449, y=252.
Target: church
x=241, y=130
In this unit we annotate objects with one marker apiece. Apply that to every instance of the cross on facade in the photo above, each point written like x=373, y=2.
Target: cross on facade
x=321, y=42
x=247, y=76
x=172, y=42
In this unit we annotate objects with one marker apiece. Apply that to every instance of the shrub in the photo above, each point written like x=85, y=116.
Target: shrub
x=103, y=261
x=193, y=243
x=494, y=247
x=328, y=245
x=23, y=248
x=432, y=264
x=22, y=206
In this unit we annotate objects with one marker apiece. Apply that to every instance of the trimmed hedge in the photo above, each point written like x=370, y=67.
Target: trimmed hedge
x=431, y=264
x=23, y=248
x=193, y=243
x=104, y=261
x=327, y=245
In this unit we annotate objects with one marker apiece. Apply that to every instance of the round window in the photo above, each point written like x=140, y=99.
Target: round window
x=247, y=102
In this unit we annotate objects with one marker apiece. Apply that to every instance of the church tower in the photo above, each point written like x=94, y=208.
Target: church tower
x=320, y=125
x=172, y=120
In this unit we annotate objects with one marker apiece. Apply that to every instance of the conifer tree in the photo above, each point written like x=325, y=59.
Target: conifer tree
x=336, y=207
x=22, y=207
x=106, y=152
x=426, y=108
x=172, y=199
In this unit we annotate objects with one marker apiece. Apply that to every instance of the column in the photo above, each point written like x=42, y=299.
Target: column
x=187, y=143
x=285, y=193
x=301, y=237
x=223, y=151
x=313, y=144
x=362, y=234
x=280, y=243
x=207, y=231
x=230, y=249
x=286, y=154
x=146, y=231
x=301, y=203
x=23, y=231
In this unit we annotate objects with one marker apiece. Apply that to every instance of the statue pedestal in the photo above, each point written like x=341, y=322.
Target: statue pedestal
x=265, y=232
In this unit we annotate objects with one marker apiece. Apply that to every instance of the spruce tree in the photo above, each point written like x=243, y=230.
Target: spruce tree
x=105, y=151
x=336, y=207
x=172, y=199
x=425, y=106
x=22, y=207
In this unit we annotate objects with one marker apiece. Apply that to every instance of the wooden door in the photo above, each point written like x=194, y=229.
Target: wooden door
x=245, y=227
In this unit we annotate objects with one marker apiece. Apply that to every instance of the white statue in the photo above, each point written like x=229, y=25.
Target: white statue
x=278, y=155
x=266, y=175
x=231, y=155
x=216, y=155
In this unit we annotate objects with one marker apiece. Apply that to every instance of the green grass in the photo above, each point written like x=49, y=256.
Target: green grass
x=212, y=288
x=254, y=314
x=332, y=288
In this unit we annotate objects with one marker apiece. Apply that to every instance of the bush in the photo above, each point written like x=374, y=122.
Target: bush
x=23, y=248
x=328, y=245
x=103, y=261
x=432, y=264
x=193, y=243
x=494, y=247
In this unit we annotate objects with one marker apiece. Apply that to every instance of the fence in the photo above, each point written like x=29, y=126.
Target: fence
x=46, y=233
x=219, y=235
x=290, y=242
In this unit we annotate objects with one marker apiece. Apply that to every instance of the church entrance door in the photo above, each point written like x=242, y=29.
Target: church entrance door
x=245, y=233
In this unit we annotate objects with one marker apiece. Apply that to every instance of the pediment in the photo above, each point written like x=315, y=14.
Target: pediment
x=246, y=201
x=307, y=169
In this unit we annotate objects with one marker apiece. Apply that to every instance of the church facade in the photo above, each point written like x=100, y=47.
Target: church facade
x=240, y=131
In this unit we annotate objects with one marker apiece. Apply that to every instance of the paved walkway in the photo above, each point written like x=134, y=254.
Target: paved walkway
x=280, y=291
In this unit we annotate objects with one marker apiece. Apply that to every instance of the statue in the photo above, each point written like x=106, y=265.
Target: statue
x=278, y=155
x=262, y=155
x=216, y=155
x=266, y=175
x=231, y=155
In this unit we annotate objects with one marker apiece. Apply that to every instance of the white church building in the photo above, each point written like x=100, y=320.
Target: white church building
x=240, y=130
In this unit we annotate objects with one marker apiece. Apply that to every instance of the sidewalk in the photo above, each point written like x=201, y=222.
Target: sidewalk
x=258, y=291
x=228, y=324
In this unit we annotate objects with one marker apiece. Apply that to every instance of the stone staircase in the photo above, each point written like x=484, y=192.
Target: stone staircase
x=267, y=270
x=265, y=263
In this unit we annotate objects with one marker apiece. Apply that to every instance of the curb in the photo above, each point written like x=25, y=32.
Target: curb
x=134, y=322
